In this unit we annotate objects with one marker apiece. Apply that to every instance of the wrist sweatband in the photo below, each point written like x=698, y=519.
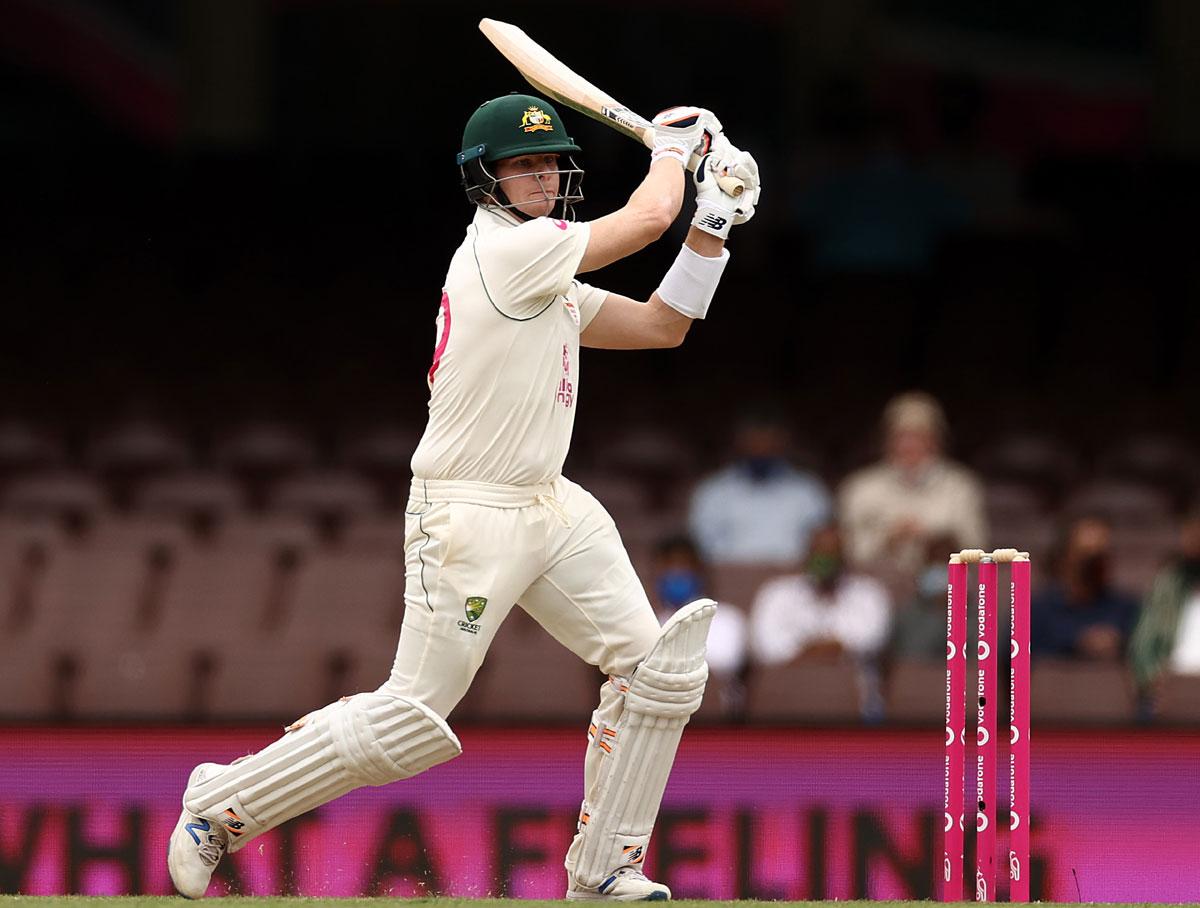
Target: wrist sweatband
x=669, y=151
x=690, y=282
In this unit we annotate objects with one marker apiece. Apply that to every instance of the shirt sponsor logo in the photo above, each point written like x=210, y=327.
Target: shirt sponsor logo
x=566, y=388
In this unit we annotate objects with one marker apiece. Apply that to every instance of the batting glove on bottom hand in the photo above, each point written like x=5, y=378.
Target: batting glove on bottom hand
x=716, y=210
x=740, y=164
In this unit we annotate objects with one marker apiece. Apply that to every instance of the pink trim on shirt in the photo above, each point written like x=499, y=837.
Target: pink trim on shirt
x=441, y=347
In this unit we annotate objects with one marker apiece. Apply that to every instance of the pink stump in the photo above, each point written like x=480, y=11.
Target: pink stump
x=1018, y=758
x=956, y=719
x=986, y=716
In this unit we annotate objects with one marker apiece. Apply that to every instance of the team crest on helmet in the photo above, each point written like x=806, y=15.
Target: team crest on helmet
x=534, y=119
x=474, y=607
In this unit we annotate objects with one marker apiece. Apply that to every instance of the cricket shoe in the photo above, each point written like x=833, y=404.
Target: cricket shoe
x=197, y=844
x=625, y=884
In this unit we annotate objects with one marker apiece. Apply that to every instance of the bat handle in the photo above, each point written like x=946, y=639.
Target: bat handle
x=731, y=186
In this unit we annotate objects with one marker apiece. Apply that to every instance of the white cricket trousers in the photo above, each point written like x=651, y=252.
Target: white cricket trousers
x=552, y=549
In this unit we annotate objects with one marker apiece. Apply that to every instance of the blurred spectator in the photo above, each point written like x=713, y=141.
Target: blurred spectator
x=920, y=625
x=680, y=577
x=1167, y=635
x=871, y=211
x=824, y=612
x=1080, y=614
x=893, y=509
x=759, y=508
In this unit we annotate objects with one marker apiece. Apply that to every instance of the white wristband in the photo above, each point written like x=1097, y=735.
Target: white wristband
x=690, y=282
x=669, y=151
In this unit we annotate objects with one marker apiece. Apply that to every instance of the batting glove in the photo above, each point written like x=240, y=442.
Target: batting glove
x=716, y=210
x=680, y=132
x=740, y=164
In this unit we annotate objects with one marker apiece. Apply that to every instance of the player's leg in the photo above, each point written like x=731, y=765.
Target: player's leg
x=591, y=600
x=367, y=739
x=469, y=563
x=370, y=738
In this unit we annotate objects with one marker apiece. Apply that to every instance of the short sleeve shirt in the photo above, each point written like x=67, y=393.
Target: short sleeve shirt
x=504, y=381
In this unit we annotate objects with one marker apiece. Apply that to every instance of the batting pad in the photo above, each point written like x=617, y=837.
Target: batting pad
x=367, y=739
x=664, y=692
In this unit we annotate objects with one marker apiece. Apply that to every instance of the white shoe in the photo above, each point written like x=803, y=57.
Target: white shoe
x=625, y=884
x=197, y=845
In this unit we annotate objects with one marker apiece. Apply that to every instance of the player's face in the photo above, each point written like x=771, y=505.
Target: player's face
x=530, y=182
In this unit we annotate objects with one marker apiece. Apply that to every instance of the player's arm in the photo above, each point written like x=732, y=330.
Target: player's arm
x=687, y=289
x=654, y=205
x=624, y=323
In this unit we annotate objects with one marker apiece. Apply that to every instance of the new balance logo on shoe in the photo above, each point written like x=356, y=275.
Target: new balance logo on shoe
x=192, y=828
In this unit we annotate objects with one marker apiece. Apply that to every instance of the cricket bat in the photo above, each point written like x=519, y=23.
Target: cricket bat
x=551, y=77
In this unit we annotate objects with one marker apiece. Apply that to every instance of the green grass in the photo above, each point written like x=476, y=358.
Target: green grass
x=145, y=901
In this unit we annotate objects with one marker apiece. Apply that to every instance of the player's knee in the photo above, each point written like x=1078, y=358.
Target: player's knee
x=382, y=737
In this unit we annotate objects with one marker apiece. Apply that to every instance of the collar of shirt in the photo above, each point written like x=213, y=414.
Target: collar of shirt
x=487, y=220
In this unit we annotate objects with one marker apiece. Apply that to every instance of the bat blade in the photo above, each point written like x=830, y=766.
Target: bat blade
x=559, y=82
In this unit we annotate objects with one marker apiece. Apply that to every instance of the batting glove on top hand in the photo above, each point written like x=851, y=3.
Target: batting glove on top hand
x=680, y=132
x=716, y=210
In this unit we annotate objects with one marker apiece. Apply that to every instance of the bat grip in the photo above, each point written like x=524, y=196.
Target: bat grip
x=731, y=186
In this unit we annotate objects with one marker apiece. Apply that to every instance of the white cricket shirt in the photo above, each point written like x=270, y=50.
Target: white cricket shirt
x=505, y=375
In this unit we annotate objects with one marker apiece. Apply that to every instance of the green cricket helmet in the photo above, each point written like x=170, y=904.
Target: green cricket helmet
x=507, y=127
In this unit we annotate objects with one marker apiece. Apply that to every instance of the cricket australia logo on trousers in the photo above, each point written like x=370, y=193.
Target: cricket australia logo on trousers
x=474, y=609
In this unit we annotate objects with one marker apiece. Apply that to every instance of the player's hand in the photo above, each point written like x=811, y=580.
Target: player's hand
x=717, y=211
x=740, y=164
x=680, y=132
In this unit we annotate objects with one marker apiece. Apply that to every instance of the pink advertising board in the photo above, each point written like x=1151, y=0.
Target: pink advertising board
x=764, y=813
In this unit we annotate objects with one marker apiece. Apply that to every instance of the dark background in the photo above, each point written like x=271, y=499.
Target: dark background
x=217, y=210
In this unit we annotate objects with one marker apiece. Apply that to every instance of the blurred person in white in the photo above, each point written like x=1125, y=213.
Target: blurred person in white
x=759, y=509
x=491, y=521
x=826, y=611
x=680, y=577
x=1166, y=638
x=893, y=509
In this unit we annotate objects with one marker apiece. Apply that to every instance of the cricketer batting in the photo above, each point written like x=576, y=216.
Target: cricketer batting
x=492, y=522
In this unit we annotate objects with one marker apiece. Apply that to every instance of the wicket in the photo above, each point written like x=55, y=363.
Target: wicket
x=986, y=719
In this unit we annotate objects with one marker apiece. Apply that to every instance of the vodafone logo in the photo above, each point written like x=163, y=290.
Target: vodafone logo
x=982, y=735
x=1014, y=821
x=1014, y=735
x=983, y=649
x=949, y=735
x=951, y=651
x=1014, y=648
x=981, y=821
x=949, y=823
